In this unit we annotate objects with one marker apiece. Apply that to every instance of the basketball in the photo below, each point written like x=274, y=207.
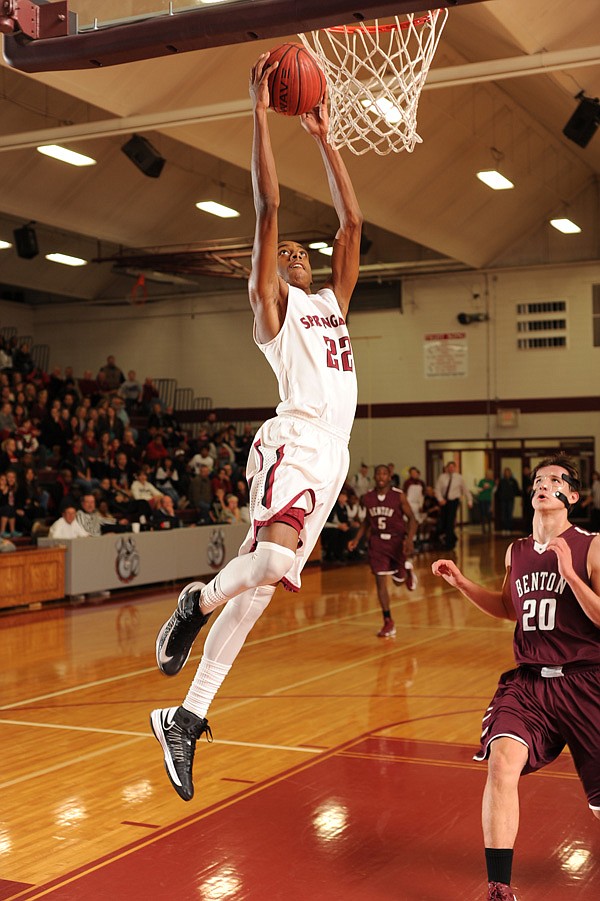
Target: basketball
x=297, y=84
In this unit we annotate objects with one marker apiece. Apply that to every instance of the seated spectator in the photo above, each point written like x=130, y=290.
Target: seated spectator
x=56, y=384
x=166, y=479
x=220, y=482
x=202, y=458
x=26, y=438
x=40, y=410
x=231, y=512
x=122, y=473
x=62, y=490
x=142, y=488
x=164, y=515
x=200, y=495
x=8, y=505
x=5, y=357
x=131, y=392
x=96, y=523
x=33, y=503
x=67, y=526
x=76, y=461
x=52, y=434
x=7, y=419
x=155, y=450
x=9, y=456
x=132, y=450
x=108, y=421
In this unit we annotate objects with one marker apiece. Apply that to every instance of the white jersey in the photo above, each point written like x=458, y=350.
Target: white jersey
x=312, y=359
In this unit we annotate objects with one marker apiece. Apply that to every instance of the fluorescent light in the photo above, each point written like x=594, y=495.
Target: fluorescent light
x=565, y=226
x=66, y=156
x=65, y=259
x=217, y=209
x=494, y=180
x=317, y=245
x=327, y=251
x=4, y=245
x=384, y=107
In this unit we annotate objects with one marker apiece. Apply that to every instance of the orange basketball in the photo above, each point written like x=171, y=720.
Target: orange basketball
x=298, y=83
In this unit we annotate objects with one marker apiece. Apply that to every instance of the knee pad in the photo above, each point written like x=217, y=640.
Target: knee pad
x=270, y=563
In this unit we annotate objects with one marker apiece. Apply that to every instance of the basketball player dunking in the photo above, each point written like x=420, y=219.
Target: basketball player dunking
x=552, y=699
x=299, y=459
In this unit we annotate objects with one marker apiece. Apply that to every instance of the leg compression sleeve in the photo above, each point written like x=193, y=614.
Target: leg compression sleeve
x=267, y=565
x=223, y=644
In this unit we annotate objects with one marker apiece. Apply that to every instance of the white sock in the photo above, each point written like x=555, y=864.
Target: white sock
x=207, y=681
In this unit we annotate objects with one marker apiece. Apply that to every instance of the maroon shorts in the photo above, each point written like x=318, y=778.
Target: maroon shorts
x=386, y=555
x=546, y=714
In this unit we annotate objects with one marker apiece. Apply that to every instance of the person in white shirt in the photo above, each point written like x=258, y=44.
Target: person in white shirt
x=142, y=488
x=449, y=489
x=361, y=481
x=67, y=525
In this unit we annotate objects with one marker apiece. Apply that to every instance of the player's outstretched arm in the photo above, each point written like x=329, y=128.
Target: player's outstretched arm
x=345, y=260
x=588, y=596
x=267, y=292
x=494, y=603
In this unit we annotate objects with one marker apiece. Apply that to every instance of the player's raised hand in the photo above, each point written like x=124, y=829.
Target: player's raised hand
x=448, y=570
x=316, y=121
x=259, y=85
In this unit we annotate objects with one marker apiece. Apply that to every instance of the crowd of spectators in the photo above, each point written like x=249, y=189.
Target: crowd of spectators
x=108, y=452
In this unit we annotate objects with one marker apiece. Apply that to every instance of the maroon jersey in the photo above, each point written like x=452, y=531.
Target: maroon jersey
x=386, y=517
x=552, y=628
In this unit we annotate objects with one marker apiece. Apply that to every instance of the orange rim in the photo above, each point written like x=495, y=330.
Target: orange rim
x=375, y=29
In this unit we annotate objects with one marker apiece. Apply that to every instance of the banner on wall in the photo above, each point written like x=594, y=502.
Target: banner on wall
x=445, y=355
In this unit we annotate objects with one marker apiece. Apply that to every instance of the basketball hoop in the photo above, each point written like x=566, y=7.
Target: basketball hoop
x=375, y=75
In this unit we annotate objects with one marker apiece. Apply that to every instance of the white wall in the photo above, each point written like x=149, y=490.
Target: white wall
x=207, y=345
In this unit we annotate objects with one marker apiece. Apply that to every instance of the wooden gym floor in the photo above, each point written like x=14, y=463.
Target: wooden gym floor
x=341, y=768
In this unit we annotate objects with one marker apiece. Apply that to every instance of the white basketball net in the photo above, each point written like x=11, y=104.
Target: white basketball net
x=375, y=75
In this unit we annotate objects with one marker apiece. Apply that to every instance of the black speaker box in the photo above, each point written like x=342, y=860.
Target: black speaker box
x=144, y=156
x=582, y=125
x=26, y=242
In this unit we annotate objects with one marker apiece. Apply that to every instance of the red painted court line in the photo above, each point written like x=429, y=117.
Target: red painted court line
x=377, y=818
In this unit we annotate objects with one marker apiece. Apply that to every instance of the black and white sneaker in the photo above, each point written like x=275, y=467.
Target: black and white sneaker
x=176, y=637
x=178, y=730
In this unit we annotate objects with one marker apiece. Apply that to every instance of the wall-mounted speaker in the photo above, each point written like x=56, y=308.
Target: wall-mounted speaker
x=582, y=125
x=144, y=156
x=26, y=242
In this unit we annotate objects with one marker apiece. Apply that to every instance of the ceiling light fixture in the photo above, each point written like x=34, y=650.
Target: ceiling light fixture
x=217, y=209
x=4, y=245
x=65, y=259
x=493, y=179
x=326, y=251
x=317, y=245
x=566, y=226
x=65, y=155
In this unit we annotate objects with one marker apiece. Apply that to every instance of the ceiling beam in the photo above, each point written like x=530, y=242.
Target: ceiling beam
x=448, y=76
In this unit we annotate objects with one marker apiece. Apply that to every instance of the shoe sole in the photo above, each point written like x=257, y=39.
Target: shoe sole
x=162, y=664
x=159, y=734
